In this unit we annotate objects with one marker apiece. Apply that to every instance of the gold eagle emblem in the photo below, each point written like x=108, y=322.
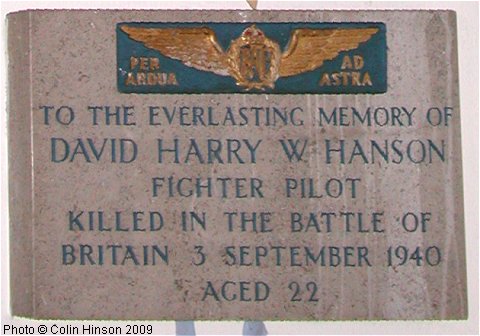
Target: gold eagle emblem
x=253, y=60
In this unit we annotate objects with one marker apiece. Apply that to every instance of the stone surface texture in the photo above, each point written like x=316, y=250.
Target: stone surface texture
x=69, y=58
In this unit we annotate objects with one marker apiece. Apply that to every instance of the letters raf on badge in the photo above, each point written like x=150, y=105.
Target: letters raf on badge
x=252, y=61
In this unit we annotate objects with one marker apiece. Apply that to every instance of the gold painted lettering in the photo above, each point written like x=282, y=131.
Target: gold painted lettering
x=346, y=63
x=154, y=63
x=336, y=79
x=151, y=78
x=130, y=79
x=143, y=63
x=366, y=79
x=141, y=78
x=246, y=65
x=325, y=80
x=345, y=76
x=133, y=62
x=358, y=62
x=172, y=79
x=162, y=78
x=356, y=78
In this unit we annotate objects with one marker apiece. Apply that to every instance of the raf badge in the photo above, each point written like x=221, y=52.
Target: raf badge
x=264, y=57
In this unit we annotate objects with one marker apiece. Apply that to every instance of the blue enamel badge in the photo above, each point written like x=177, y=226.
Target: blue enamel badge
x=330, y=58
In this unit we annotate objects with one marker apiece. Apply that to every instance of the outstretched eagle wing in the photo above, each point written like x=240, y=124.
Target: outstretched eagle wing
x=309, y=48
x=195, y=47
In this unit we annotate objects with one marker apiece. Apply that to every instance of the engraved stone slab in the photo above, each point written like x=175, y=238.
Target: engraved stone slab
x=337, y=197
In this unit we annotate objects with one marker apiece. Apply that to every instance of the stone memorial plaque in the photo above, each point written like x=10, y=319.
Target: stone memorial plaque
x=231, y=165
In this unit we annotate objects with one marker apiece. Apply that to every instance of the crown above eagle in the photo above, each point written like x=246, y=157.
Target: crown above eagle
x=253, y=60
